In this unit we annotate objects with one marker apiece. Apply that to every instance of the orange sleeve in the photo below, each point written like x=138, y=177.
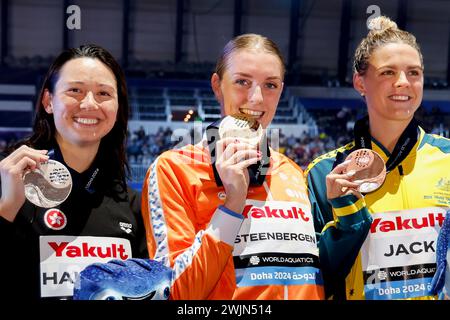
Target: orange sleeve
x=198, y=257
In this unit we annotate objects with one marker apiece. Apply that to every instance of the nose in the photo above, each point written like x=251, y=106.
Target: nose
x=256, y=96
x=89, y=102
x=402, y=80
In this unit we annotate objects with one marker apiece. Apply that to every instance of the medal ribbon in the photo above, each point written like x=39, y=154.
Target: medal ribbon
x=403, y=147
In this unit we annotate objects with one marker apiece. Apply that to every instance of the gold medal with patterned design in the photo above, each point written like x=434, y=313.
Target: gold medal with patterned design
x=241, y=126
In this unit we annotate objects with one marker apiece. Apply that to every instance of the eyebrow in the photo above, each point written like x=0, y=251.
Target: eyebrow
x=243, y=74
x=99, y=84
x=395, y=67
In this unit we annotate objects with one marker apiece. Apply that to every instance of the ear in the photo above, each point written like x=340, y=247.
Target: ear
x=358, y=84
x=47, y=101
x=215, y=85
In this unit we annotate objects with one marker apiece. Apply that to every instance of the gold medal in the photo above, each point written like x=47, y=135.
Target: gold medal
x=241, y=126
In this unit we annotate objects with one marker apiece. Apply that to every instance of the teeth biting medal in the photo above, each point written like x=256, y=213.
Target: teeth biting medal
x=244, y=128
x=241, y=126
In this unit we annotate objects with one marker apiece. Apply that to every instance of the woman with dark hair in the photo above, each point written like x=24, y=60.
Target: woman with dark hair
x=81, y=121
x=44, y=129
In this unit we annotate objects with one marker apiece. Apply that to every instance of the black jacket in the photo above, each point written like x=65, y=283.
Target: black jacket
x=97, y=207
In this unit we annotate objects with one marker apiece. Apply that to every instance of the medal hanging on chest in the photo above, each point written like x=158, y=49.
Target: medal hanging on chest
x=369, y=165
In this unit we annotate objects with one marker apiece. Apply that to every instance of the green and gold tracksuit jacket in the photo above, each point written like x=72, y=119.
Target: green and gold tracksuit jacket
x=382, y=246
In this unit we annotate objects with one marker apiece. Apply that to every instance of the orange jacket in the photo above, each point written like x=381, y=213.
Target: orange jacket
x=267, y=252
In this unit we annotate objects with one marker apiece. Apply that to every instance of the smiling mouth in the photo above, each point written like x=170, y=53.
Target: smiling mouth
x=86, y=121
x=252, y=113
x=148, y=296
x=400, y=98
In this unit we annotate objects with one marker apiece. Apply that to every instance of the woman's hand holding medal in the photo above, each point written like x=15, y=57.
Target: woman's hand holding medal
x=29, y=173
x=12, y=169
x=237, y=149
x=363, y=171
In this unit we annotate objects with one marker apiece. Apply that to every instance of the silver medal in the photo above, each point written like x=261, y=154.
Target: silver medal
x=49, y=185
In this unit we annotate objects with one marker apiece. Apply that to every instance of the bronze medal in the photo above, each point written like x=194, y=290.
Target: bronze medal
x=369, y=167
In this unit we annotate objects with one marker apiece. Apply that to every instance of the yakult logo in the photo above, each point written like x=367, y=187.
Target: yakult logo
x=400, y=223
x=269, y=212
x=85, y=250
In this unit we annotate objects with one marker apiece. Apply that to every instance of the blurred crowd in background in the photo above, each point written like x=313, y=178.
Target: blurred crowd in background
x=335, y=129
